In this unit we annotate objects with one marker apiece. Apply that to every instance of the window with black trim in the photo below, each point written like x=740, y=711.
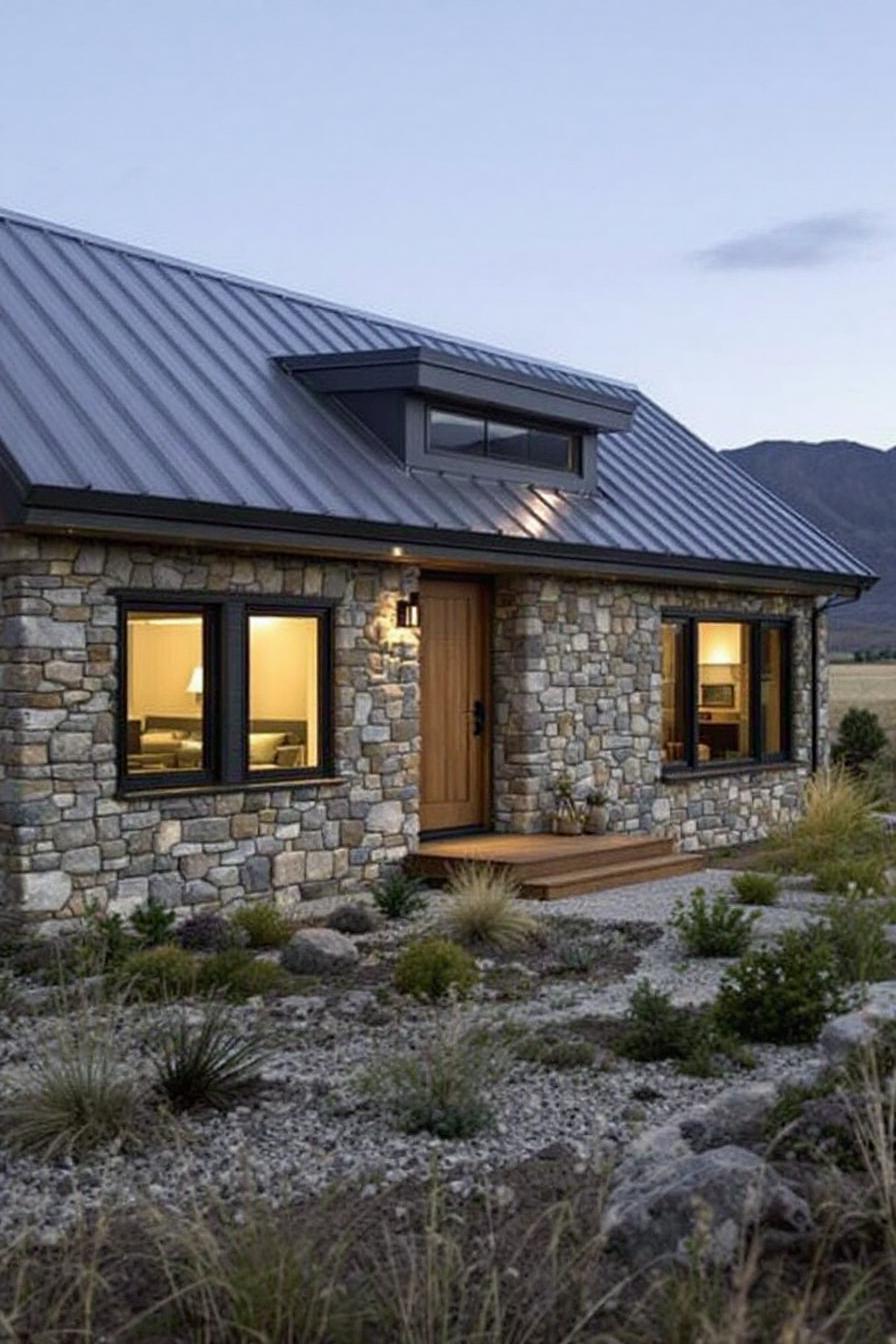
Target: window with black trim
x=522, y=443
x=726, y=691
x=222, y=690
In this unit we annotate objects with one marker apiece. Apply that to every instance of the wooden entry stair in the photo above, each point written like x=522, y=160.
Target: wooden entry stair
x=549, y=867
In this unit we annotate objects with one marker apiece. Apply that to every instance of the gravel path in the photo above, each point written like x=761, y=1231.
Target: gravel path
x=311, y=1123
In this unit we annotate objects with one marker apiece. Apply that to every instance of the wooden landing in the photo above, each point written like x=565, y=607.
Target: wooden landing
x=549, y=867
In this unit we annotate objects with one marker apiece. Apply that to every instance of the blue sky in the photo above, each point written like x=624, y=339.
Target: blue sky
x=695, y=195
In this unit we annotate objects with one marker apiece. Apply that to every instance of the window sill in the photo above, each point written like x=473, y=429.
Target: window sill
x=250, y=786
x=683, y=775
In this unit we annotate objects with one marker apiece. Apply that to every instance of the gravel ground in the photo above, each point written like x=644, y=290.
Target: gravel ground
x=311, y=1123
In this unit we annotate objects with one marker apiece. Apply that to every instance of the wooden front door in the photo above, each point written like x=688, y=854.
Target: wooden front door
x=454, y=705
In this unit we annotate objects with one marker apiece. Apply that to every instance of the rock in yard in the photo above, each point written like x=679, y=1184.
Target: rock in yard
x=844, y=1034
x=658, y=1204
x=317, y=951
x=735, y=1116
x=352, y=918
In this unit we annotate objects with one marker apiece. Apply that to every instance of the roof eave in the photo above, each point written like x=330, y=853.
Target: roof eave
x=146, y=518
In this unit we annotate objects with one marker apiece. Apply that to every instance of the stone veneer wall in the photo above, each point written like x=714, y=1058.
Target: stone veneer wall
x=68, y=839
x=577, y=688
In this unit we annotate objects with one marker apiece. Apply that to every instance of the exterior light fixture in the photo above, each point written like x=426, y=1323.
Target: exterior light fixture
x=407, y=613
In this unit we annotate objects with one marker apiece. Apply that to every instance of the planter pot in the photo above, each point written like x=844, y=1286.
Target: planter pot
x=567, y=826
x=596, y=820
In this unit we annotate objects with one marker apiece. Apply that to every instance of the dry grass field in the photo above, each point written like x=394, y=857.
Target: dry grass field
x=868, y=686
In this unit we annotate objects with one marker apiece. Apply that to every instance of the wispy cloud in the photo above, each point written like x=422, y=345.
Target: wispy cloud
x=820, y=240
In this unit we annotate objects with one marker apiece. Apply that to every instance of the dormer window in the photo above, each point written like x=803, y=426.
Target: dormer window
x=524, y=444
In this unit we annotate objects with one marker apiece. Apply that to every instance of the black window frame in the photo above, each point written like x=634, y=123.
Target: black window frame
x=573, y=469
x=225, y=705
x=756, y=623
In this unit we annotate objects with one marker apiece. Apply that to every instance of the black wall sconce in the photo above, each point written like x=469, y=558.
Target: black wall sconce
x=407, y=612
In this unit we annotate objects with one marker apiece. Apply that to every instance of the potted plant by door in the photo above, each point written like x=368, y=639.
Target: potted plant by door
x=567, y=812
x=596, y=818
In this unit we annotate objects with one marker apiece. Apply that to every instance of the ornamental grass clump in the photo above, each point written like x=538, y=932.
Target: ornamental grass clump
x=756, y=888
x=838, y=819
x=444, y=1085
x=207, y=1063
x=79, y=1097
x=717, y=930
x=484, y=909
x=433, y=968
x=785, y=993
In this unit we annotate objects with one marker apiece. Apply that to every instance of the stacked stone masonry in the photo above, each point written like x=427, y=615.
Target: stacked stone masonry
x=71, y=841
x=576, y=670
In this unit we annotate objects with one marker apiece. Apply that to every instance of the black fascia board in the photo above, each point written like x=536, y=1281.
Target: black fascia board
x=192, y=522
x=432, y=373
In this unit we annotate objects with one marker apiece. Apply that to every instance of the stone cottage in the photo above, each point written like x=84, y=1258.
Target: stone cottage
x=287, y=586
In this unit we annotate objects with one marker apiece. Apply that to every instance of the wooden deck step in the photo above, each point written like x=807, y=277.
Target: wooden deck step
x=607, y=876
x=532, y=856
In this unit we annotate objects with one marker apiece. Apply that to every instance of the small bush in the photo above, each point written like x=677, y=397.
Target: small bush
x=443, y=1086
x=555, y=1050
x=264, y=924
x=160, y=973
x=574, y=956
x=857, y=931
x=209, y=1063
x=429, y=969
x=654, y=1028
x=782, y=994
x=209, y=932
x=860, y=739
x=717, y=930
x=153, y=924
x=398, y=895
x=756, y=888
x=103, y=943
x=238, y=975
x=80, y=1097
x=484, y=908
x=864, y=875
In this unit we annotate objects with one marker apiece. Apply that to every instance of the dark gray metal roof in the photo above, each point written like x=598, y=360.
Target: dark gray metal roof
x=128, y=374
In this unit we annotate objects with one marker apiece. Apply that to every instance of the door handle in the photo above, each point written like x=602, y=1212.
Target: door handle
x=478, y=718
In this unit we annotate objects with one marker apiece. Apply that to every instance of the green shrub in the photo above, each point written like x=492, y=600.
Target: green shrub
x=443, y=1086
x=209, y=932
x=397, y=895
x=79, y=1097
x=717, y=930
x=484, y=908
x=429, y=969
x=864, y=875
x=153, y=924
x=264, y=924
x=209, y=1063
x=860, y=739
x=782, y=994
x=103, y=943
x=856, y=929
x=756, y=888
x=238, y=975
x=166, y=972
x=654, y=1028
x=555, y=1050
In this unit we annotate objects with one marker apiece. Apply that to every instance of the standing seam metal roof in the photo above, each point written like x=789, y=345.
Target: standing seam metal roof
x=139, y=375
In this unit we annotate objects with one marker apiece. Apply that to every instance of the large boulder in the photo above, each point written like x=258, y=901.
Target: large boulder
x=842, y=1035
x=737, y=1115
x=353, y=918
x=658, y=1205
x=318, y=952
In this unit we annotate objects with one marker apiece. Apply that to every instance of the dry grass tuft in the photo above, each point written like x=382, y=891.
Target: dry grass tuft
x=838, y=818
x=484, y=909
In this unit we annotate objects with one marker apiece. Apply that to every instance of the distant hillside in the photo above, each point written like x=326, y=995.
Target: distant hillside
x=849, y=491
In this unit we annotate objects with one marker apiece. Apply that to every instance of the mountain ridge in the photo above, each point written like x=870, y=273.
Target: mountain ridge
x=848, y=490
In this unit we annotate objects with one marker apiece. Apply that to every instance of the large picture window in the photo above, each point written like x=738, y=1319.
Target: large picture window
x=220, y=690
x=725, y=690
